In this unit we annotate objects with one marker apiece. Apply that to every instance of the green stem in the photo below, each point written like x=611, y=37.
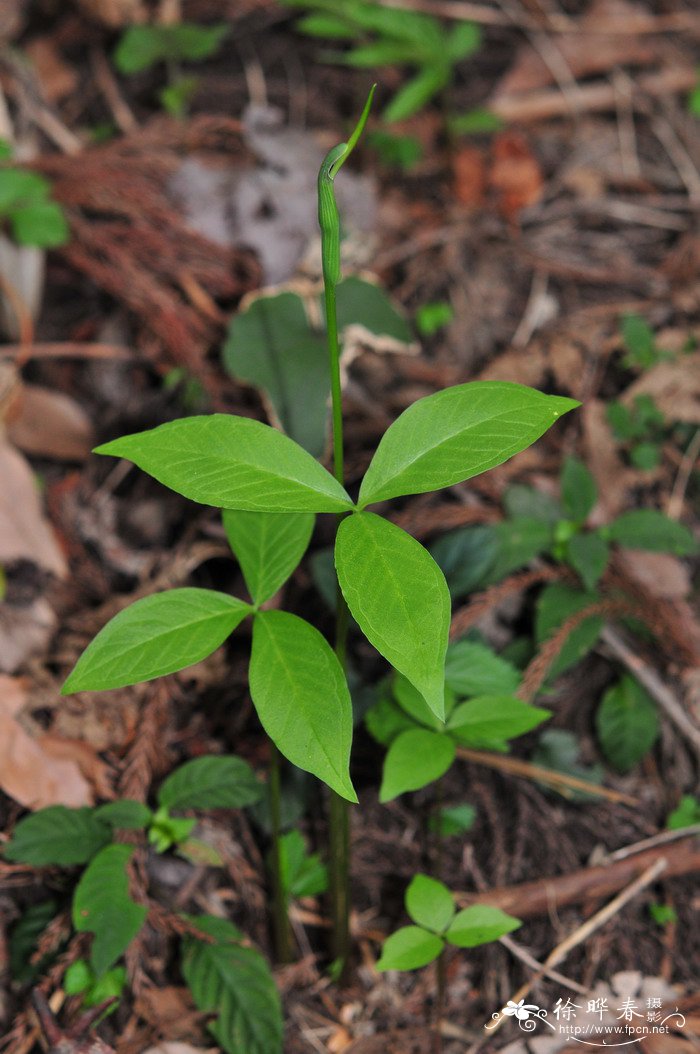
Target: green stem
x=280, y=912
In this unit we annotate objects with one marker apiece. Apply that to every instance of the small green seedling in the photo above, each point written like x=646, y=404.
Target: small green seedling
x=80, y=979
x=143, y=47
x=303, y=874
x=452, y=820
x=641, y=349
x=476, y=122
x=641, y=428
x=437, y=923
x=272, y=489
x=686, y=813
x=430, y=318
x=663, y=914
x=26, y=206
x=381, y=36
x=421, y=746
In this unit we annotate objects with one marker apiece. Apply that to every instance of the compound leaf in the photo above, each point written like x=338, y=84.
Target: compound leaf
x=232, y=463
x=235, y=983
x=409, y=948
x=57, y=835
x=627, y=723
x=480, y=924
x=217, y=781
x=301, y=696
x=399, y=598
x=414, y=759
x=456, y=434
x=429, y=903
x=155, y=636
x=102, y=906
x=268, y=546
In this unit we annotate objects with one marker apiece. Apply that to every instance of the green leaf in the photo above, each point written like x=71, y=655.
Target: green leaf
x=473, y=669
x=78, y=977
x=417, y=92
x=155, y=636
x=453, y=819
x=465, y=555
x=20, y=187
x=555, y=604
x=381, y=53
x=476, y=122
x=385, y=721
x=303, y=874
x=529, y=503
x=638, y=337
x=268, y=546
x=326, y=26
x=301, y=696
x=430, y=318
x=458, y=433
x=578, y=490
x=480, y=722
x=409, y=948
x=42, y=223
x=216, y=781
x=365, y=304
x=415, y=759
x=236, y=984
x=124, y=815
x=272, y=346
x=166, y=830
x=399, y=598
x=139, y=48
x=560, y=750
x=102, y=906
x=106, y=987
x=518, y=542
x=480, y=924
x=175, y=98
x=412, y=703
x=429, y=903
x=588, y=554
x=627, y=723
x=646, y=456
x=57, y=835
x=650, y=529
x=232, y=463
x=686, y=813
x=192, y=43
x=24, y=938
x=463, y=41
x=398, y=151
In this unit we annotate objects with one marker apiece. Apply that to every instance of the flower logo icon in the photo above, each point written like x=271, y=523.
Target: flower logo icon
x=520, y=1010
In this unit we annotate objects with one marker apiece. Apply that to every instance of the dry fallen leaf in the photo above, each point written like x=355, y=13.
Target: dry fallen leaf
x=515, y=174
x=24, y=531
x=93, y=768
x=49, y=424
x=661, y=574
x=469, y=171
x=56, y=77
x=27, y=773
x=24, y=631
x=603, y=460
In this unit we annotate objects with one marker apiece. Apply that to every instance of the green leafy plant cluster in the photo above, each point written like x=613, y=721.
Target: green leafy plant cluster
x=641, y=350
x=640, y=428
x=223, y=976
x=481, y=711
x=142, y=48
x=437, y=923
x=26, y=206
x=381, y=36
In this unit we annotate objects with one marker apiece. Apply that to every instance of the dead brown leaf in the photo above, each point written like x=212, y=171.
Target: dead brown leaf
x=24, y=531
x=515, y=174
x=27, y=773
x=56, y=76
x=170, y=1010
x=603, y=460
x=50, y=424
x=93, y=768
x=469, y=171
x=661, y=574
x=24, y=631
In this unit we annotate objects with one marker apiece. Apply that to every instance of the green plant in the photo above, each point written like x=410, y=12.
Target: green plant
x=422, y=746
x=233, y=980
x=272, y=489
x=437, y=923
x=141, y=48
x=686, y=813
x=27, y=209
x=396, y=151
x=392, y=38
x=432, y=317
x=641, y=349
x=641, y=427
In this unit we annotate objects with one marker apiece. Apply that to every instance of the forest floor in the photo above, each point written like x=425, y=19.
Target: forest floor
x=541, y=236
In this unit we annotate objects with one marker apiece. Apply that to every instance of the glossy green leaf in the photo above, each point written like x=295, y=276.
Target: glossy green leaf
x=473, y=669
x=480, y=924
x=102, y=906
x=555, y=604
x=301, y=696
x=458, y=433
x=272, y=346
x=57, y=835
x=268, y=546
x=578, y=490
x=650, y=529
x=479, y=722
x=155, y=636
x=124, y=815
x=588, y=554
x=627, y=723
x=415, y=759
x=399, y=598
x=216, y=781
x=232, y=463
x=429, y=903
x=412, y=703
x=235, y=984
x=409, y=948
